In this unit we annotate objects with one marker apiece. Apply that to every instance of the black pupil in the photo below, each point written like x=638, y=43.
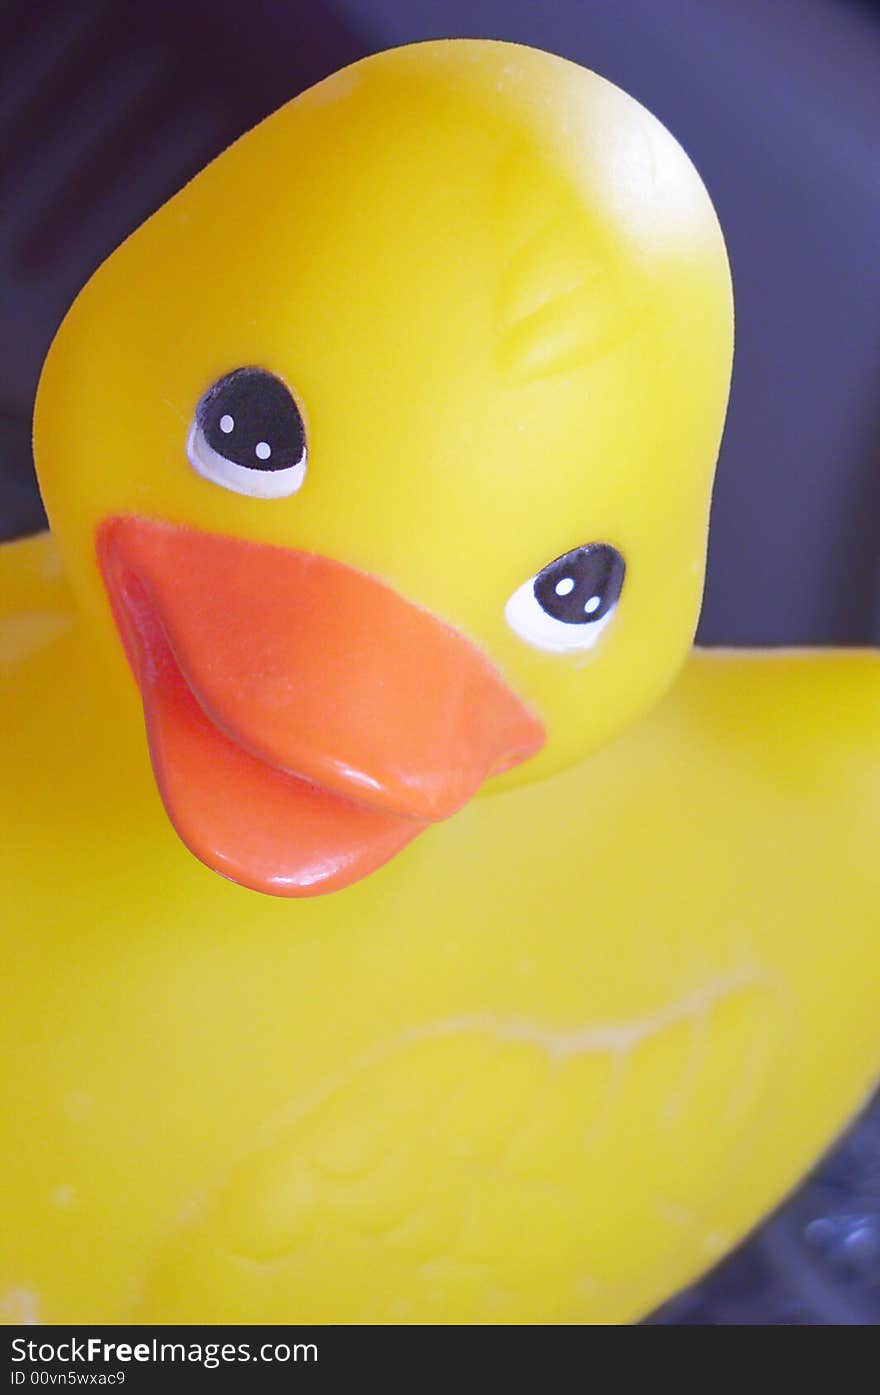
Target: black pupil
x=250, y=418
x=582, y=586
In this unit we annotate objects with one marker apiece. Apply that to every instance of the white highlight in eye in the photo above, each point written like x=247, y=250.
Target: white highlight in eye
x=262, y=450
x=565, y=586
x=259, y=484
x=227, y=423
x=529, y=620
x=593, y=604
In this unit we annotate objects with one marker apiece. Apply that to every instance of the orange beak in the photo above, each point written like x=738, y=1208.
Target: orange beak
x=305, y=722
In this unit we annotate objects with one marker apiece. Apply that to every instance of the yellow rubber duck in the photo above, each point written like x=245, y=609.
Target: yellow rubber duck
x=380, y=459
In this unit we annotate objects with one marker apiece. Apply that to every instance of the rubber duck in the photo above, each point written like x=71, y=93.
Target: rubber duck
x=402, y=922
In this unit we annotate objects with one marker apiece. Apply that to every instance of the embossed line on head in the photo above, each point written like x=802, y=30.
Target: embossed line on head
x=561, y=297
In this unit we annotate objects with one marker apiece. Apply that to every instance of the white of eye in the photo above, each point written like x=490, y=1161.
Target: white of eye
x=529, y=620
x=259, y=484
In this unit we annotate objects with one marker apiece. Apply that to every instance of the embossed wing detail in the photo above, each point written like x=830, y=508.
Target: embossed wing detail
x=529, y=1121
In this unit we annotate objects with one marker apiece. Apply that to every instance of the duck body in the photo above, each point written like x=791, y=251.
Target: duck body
x=400, y=921
x=547, y=1065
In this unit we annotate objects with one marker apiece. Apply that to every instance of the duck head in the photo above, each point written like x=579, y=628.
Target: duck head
x=383, y=452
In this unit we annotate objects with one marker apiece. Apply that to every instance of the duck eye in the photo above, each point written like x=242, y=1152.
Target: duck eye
x=567, y=605
x=248, y=435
